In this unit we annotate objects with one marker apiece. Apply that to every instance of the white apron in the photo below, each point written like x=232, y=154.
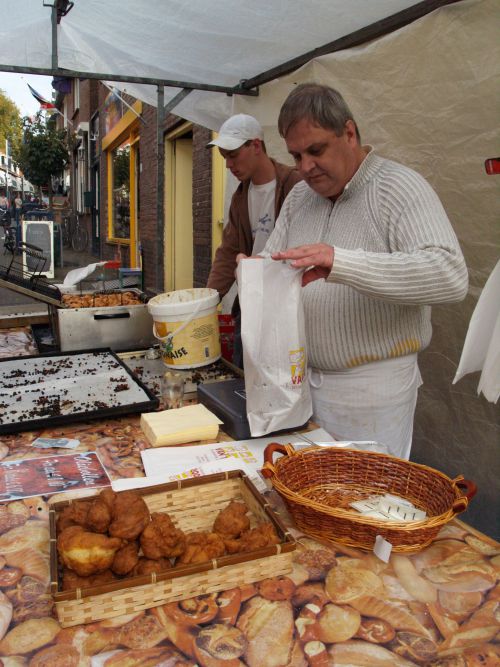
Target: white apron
x=370, y=402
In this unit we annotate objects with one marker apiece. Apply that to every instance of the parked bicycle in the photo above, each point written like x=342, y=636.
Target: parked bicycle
x=9, y=232
x=74, y=234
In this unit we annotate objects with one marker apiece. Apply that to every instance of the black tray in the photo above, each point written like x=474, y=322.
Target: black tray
x=31, y=421
x=228, y=401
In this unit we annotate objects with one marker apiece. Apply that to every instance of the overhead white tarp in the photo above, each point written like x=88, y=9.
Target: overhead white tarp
x=191, y=40
x=217, y=43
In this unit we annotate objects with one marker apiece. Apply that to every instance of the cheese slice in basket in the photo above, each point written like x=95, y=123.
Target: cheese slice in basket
x=180, y=425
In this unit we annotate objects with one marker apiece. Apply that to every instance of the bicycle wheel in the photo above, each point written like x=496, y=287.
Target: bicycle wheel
x=66, y=236
x=80, y=239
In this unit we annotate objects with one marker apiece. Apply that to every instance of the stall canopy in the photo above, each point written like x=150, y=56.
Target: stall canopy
x=422, y=80
x=228, y=45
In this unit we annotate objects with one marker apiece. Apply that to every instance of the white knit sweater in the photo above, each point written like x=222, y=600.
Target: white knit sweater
x=395, y=255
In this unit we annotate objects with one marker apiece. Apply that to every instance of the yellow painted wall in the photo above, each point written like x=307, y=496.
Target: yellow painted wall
x=178, y=240
x=218, y=191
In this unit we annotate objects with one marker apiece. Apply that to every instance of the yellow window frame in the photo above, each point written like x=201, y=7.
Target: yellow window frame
x=126, y=128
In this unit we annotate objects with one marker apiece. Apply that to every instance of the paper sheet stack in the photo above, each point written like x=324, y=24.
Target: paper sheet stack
x=175, y=427
x=389, y=508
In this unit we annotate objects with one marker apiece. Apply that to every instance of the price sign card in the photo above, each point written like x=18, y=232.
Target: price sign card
x=46, y=475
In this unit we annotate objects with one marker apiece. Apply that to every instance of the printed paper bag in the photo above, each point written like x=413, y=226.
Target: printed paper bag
x=274, y=345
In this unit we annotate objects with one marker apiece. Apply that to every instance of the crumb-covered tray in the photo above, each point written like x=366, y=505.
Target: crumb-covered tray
x=150, y=371
x=193, y=505
x=50, y=389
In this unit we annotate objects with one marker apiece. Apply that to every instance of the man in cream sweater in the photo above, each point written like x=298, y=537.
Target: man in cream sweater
x=378, y=251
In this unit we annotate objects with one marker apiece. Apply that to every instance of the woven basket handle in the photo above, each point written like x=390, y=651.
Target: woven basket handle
x=268, y=469
x=469, y=490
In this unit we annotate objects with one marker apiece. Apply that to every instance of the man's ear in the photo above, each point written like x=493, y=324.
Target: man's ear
x=350, y=132
x=257, y=145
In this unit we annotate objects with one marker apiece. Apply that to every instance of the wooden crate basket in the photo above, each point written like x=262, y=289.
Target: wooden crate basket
x=193, y=505
x=317, y=482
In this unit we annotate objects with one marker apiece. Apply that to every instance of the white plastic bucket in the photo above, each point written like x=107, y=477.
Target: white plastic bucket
x=187, y=325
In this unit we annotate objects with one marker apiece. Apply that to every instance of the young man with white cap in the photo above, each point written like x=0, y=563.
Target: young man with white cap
x=254, y=206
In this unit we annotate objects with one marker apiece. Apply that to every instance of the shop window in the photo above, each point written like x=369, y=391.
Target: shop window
x=120, y=165
x=121, y=146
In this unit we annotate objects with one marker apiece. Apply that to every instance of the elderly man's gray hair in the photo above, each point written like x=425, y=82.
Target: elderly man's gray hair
x=320, y=105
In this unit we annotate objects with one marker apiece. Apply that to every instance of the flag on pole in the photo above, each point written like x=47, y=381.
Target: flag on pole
x=44, y=104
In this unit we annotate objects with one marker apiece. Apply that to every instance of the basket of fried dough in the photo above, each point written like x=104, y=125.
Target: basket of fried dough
x=120, y=553
x=319, y=485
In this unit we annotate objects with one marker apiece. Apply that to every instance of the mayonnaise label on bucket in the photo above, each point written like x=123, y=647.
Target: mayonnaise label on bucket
x=186, y=324
x=195, y=344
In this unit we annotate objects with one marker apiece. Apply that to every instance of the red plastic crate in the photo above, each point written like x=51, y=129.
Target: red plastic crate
x=226, y=330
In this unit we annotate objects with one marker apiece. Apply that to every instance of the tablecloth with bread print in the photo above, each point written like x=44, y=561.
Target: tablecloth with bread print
x=338, y=606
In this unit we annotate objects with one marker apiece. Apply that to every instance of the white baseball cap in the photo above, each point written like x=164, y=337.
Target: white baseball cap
x=236, y=130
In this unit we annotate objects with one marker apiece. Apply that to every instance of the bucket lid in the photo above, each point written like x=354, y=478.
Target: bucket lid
x=183, y=301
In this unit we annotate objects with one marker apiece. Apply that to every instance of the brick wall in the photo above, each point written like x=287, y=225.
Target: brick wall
x=148, y=198
x=147, y=222
x=202, y=206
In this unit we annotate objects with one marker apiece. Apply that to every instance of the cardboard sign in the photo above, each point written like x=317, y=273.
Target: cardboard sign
x=46, y=475
x=39, y=233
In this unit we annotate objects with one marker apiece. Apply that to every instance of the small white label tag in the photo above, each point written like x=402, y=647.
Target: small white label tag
x=59, y=443
x=382, y=549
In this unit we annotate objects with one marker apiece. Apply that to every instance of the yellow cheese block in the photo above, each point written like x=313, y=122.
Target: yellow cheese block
x=180, y=425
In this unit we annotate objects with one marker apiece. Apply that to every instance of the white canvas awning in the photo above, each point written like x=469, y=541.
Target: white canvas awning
x=191, y=43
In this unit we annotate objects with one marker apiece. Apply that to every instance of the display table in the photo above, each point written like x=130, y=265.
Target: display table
x=438, y=607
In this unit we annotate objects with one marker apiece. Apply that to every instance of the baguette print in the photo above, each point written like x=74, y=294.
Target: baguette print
x=362, y=654
x=339, y=606
x=397, y=616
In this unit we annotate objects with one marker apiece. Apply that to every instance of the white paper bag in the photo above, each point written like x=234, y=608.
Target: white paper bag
x=481, y=351
x=274, y=345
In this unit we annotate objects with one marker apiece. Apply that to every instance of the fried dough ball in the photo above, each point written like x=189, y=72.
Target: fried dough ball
x=91, y=514
x=108, y=496
x=148, y=566
x=72, y=580
x=99, y=516
x=126, y=559
x=129, y=298
x=74, y=514
x=161, y=539
x=232, y=520
x=129, y=515
x=255, y=538
x=202, y=546
x=86, y=553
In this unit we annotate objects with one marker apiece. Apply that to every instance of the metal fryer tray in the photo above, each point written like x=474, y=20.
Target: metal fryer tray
x=151, y=371
x=45, y=390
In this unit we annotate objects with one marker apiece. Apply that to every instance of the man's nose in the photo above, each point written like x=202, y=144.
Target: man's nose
x=307, y=164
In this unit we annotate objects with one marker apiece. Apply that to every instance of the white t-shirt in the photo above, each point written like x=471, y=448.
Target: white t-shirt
x=261, y=213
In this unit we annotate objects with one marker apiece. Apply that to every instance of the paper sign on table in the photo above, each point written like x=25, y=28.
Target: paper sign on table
x=46, y=475
x=196, y=460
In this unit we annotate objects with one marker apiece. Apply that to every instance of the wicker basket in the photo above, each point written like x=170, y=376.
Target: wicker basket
x=318, y=483
x=193, y=505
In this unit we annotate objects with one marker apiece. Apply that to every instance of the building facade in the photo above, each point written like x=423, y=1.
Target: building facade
x=113, y=185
